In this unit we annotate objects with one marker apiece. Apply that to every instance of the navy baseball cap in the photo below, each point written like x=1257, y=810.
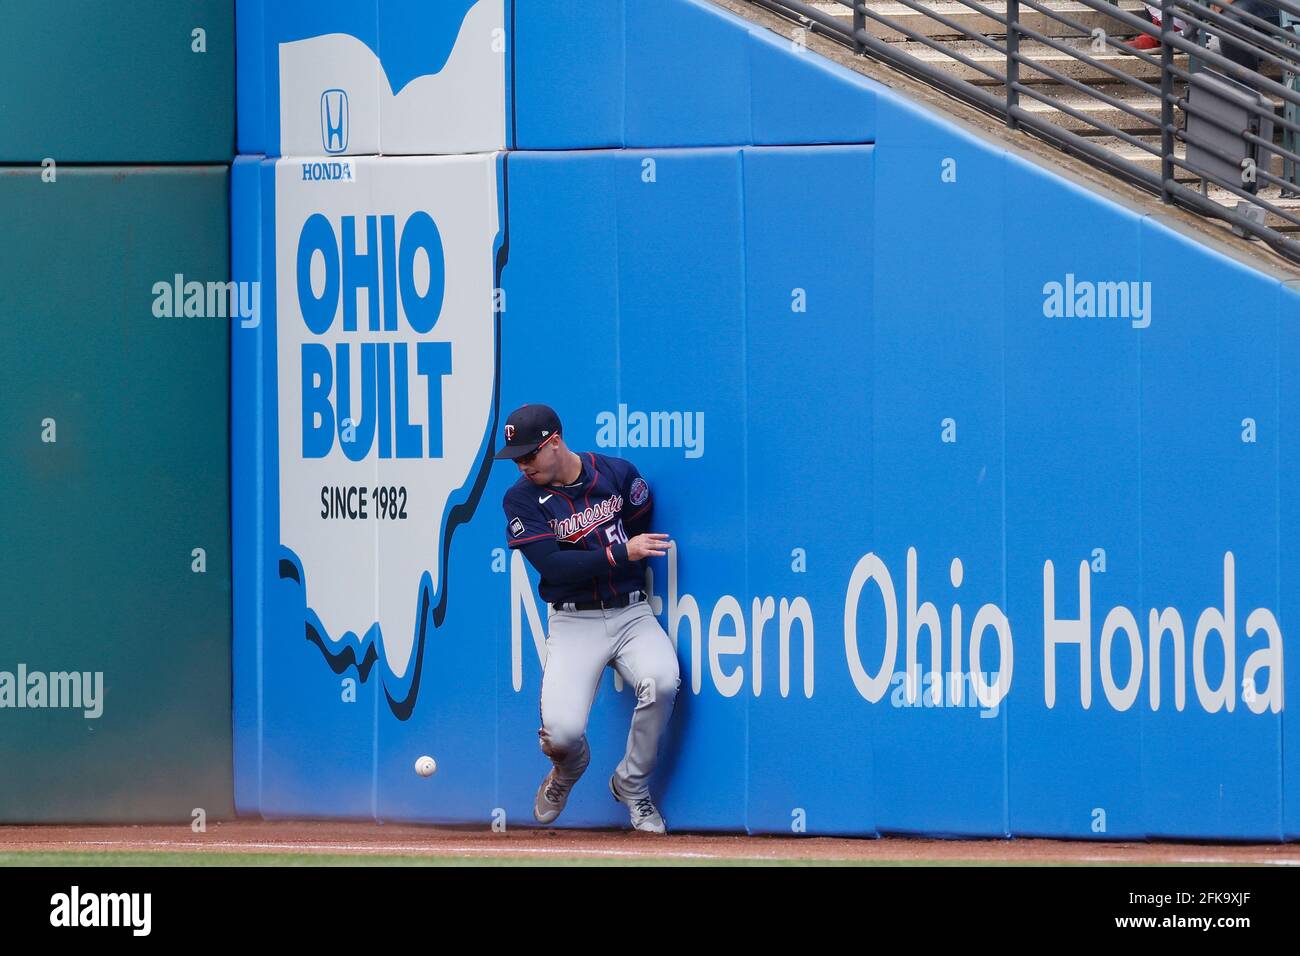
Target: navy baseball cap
x=526, y=428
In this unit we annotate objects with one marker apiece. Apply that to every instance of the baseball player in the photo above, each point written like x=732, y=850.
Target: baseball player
x=580, y=520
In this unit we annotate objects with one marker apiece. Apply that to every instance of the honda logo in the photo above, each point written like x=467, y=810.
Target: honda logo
x=334, y=121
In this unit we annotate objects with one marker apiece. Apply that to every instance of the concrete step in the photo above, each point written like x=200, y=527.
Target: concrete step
x=1134, y=153
x=976, y=22
x=1138, y=156
x=1151, y=159
x=1065, y=63
x=1094, y=109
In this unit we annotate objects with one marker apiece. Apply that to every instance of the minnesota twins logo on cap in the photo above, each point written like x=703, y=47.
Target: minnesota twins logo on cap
x=526, y=428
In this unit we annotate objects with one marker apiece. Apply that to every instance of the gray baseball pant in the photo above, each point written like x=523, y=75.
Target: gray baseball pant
x=579, y=646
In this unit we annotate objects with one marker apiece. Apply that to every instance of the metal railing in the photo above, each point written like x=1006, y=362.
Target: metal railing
x=1255, y=203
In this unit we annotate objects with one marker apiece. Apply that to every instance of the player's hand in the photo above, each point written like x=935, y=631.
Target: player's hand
x=648, y=545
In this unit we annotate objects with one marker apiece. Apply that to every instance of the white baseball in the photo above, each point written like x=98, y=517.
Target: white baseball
x=425, y=766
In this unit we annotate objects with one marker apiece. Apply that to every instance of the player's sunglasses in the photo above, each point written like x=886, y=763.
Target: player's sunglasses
x=528, y=459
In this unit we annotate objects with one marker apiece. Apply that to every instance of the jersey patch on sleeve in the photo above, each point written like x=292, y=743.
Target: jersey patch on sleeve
x=516, y=527
x=640, y=491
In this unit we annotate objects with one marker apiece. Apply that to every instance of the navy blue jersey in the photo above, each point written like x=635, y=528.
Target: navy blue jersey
x=576, y=535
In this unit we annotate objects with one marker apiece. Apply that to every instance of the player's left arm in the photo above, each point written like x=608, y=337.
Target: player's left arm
x=639, y=503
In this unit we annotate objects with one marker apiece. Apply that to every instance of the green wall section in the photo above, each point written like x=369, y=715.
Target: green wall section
x=99, y=526
x=91, y=81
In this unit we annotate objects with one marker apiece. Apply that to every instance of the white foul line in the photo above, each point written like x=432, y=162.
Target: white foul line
x=403, y=848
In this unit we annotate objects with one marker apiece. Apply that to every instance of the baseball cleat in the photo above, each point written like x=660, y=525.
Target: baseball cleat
x=553, y=794
x=645, y=817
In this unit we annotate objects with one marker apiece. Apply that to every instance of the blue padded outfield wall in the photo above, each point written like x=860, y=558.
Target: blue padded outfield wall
x=908, y=402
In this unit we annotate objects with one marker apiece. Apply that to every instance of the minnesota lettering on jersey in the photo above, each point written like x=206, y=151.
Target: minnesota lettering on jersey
x=610, y=498
x=579, y=523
